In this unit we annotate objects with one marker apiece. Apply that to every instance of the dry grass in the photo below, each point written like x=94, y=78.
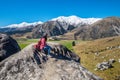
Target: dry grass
x=106, y=48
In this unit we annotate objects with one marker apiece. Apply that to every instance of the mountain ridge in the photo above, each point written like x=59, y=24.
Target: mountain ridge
x=106, y=27
x=85, y=29
x=70, y=19
x=74, y=20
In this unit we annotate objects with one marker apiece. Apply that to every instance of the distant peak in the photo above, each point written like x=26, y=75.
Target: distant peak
x=23, y=24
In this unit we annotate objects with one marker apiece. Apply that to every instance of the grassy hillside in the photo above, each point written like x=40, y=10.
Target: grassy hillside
x=107, y=48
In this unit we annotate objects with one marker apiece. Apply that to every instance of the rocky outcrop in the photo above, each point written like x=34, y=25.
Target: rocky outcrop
x=60, y=65
x=8, y=46
x=105, y=65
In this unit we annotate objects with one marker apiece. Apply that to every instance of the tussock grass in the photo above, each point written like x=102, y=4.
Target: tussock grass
x=104, y=49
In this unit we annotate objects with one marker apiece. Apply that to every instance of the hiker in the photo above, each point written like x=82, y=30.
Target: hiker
x=42, y=45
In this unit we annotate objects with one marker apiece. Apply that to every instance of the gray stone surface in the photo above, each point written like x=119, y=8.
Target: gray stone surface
x=105, y=65
x=23, y=66
x=111, y=61
x=8, y=46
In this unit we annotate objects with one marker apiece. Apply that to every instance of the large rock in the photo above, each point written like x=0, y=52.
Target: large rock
x=8, y=46
x=30, y=64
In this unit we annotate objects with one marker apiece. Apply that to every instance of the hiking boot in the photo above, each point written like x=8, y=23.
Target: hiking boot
x=48, y=56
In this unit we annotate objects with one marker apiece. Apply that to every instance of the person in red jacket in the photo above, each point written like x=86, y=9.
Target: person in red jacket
x=42, y=45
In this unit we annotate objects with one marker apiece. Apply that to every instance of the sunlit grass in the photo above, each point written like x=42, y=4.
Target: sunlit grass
x=89, y=60
x=22, y=45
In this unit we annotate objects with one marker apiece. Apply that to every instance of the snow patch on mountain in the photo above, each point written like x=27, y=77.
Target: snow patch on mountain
x=74, y=20
x=23, y=24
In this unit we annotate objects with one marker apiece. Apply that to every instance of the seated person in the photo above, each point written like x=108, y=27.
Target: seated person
x=42, y=45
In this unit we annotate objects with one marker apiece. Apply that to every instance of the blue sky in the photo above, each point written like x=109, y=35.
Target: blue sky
x=17, y=11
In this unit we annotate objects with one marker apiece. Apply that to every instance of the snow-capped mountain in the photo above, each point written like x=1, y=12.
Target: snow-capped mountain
x=62, y=25
x=74, y=20
x=23, y=25
x=56, y=26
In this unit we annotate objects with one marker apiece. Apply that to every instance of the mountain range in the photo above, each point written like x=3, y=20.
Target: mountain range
x=72, y=20
x=84, y=28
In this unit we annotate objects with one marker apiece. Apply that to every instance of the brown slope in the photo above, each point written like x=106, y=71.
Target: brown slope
x=106, y=27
